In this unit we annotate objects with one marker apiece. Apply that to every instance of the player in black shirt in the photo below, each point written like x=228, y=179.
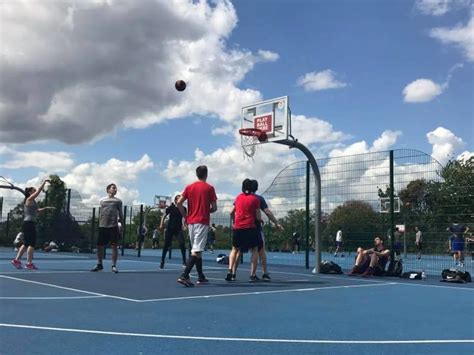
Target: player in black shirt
x=174, y=227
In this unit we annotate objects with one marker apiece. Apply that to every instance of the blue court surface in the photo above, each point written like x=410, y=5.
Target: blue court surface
x=63, y=308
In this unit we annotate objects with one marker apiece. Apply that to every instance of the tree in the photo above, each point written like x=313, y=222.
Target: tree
x=359, y=223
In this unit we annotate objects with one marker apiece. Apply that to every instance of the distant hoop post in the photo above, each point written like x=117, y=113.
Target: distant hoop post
x=250, y=138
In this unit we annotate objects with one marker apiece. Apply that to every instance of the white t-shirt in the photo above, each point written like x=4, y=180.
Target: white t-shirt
x=339, y=236
x=418, y=237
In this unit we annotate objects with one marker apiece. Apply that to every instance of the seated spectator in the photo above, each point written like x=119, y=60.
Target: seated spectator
x=372, y=261
x=51, y=246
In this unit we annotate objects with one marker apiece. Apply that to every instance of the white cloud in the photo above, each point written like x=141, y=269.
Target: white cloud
x=83, y=69
x=465, y=156
x=385, y=141
x=92, y=178
x=433, y=7
x=460, y=36
x=268, y=160
x=421, y=90
x=52, y=162
x=424, y=90
x=323, y=80
x=445, y=144
x=439, y=7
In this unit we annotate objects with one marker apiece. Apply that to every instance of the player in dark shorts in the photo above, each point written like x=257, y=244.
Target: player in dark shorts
x=174, y=227
x=29, y=227
x=372, y=261
x=261, y=247
x=110, y=216
x=245, y=234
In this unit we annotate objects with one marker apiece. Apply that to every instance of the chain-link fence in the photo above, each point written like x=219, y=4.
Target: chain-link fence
x=356, y=199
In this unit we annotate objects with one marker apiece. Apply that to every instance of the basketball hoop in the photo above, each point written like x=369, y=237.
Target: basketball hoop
x=250, y=138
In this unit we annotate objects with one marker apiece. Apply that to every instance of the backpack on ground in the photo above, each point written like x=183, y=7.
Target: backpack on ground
x=395, y=268
x=455, y=275
x=222, y=259
x=329, y=267
x=412, y=275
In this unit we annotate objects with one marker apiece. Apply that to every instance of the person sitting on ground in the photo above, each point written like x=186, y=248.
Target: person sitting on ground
x=51, y=246
x=372, y=261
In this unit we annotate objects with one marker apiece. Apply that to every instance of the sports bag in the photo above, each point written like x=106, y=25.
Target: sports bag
x=412, y=275
x=329, y=267
x=455, y=275
x=395, y=268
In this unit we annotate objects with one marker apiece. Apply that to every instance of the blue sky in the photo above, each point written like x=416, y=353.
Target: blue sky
x=87, y=93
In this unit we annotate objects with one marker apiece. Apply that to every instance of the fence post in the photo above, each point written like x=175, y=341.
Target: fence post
x=7, y=227
x=139, y=234
x=392, y=203
x=92, y=230
x=124, y=225
x=308, y=191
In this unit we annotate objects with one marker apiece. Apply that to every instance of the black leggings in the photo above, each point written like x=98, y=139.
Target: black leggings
x=169, y=238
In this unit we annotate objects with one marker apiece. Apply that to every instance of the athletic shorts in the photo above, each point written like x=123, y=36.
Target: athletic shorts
x=108, y=235
x=245, y=239
x=29, y=232
x=339, y=244
x=420, y=246
x=457, y=244
x=178, y=232
x=198, y=236
x=397, y=246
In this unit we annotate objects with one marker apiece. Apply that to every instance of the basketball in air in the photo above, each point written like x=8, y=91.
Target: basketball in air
x=180, y=85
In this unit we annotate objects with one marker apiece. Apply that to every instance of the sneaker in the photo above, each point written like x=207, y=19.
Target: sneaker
x=354, y=272
x=254, y=278
x=162, y=264
x=185, y=282
x=17, y=264
x=114, y=269
x=184, y=265
x=369, y=272
x=31, y=266
x=229, y=277
x=98, y=268
x=266, y=277
x=335, y=254
x=202, y=281
x=461, y=264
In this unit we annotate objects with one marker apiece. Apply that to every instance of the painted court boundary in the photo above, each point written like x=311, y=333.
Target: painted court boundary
x=256, y=340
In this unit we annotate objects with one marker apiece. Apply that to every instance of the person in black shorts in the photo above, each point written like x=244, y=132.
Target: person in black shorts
x=29, y=227
x=372, y=261
x=173, y=228
x=245, y=234
x=110, y=216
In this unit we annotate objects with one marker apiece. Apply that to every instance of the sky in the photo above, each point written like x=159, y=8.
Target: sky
x=87, y=87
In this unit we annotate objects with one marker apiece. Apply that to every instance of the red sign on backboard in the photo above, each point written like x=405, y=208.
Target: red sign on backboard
x=264, y=122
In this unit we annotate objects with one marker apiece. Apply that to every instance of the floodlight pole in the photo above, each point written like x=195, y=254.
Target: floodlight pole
x=317, y=197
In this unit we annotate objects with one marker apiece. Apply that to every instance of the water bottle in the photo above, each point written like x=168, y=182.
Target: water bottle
x=423, y=275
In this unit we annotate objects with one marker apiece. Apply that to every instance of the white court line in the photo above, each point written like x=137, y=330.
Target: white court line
x=254, y=340
x=49, y=298
x=262, y=292
x=67, y=288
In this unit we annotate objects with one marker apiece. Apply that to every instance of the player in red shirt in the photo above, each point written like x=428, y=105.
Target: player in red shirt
x=201, y=199
x=245, y=235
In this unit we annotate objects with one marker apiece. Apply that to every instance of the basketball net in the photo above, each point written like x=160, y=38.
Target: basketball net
x=249, y=145
x=250, y=139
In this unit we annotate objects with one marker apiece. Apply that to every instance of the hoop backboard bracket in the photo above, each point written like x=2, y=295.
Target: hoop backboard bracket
x=162, y=201
x=384, y=206
x=270, y=116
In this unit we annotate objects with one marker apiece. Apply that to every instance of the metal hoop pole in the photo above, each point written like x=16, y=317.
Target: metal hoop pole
x=317, y=197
